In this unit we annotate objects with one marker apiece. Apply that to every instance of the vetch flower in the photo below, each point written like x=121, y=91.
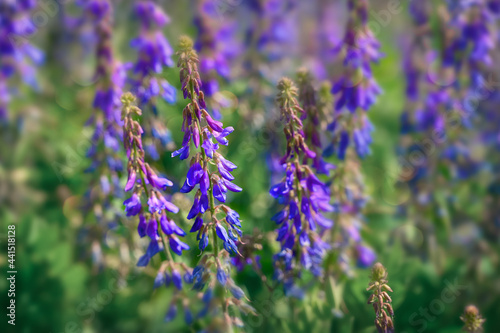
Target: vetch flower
x=304, y=198
x=209, y=175
x=154, y=54
x=160, y=228
x=356, y=88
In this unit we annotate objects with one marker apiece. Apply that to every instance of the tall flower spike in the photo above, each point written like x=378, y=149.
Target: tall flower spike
x=304, y=198
x=473, y=321
x=357, y=88
x=380, y=299
x=155, y=221
x=154, y=54
x=111, y=78
x=211, y=173
x=106, y=165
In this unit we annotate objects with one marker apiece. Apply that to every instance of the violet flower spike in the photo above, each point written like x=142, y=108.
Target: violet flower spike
x=143, y=179
x=304, y=198
x=209, y=176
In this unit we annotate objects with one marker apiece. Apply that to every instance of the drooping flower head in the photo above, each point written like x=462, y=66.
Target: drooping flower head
x=357, y=87
x=154, y=222
x=154, y=208
x=472, y=40
x=305, y=199
x=271, y=38
x=210, y=176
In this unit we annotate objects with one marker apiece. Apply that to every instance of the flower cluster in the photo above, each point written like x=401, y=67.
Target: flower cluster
x=201, y=129
x=443, y=85
x=472, y=40
x=357, y=88
x=154, y=54
x=210, y=172
x=348, y=189
x=154, y=223
x=17, y=55
x=304, y=197
x=110, y=75
x=313, y=119
x=380, y=299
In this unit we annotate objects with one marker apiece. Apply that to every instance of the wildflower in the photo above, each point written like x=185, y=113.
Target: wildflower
x=304, y=197
x=209, y=176
x=143, y=179
x=357, y=88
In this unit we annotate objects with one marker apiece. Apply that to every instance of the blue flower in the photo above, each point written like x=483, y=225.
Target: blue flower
x=177, y=246
x=171, y=314
x=133, y=205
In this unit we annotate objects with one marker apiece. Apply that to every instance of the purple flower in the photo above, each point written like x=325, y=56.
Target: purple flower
x=218, y=181
x=366, y=256
x=150, y=184
x=154, y=54
x=133, y=205
x=209, y=175
x=177, y=246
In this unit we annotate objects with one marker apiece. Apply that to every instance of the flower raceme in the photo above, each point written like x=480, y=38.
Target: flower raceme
x=154, y=54
x=154, y=223
x=201, y=129
x=357, y=88
x=304, y=198
x=210, y=173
